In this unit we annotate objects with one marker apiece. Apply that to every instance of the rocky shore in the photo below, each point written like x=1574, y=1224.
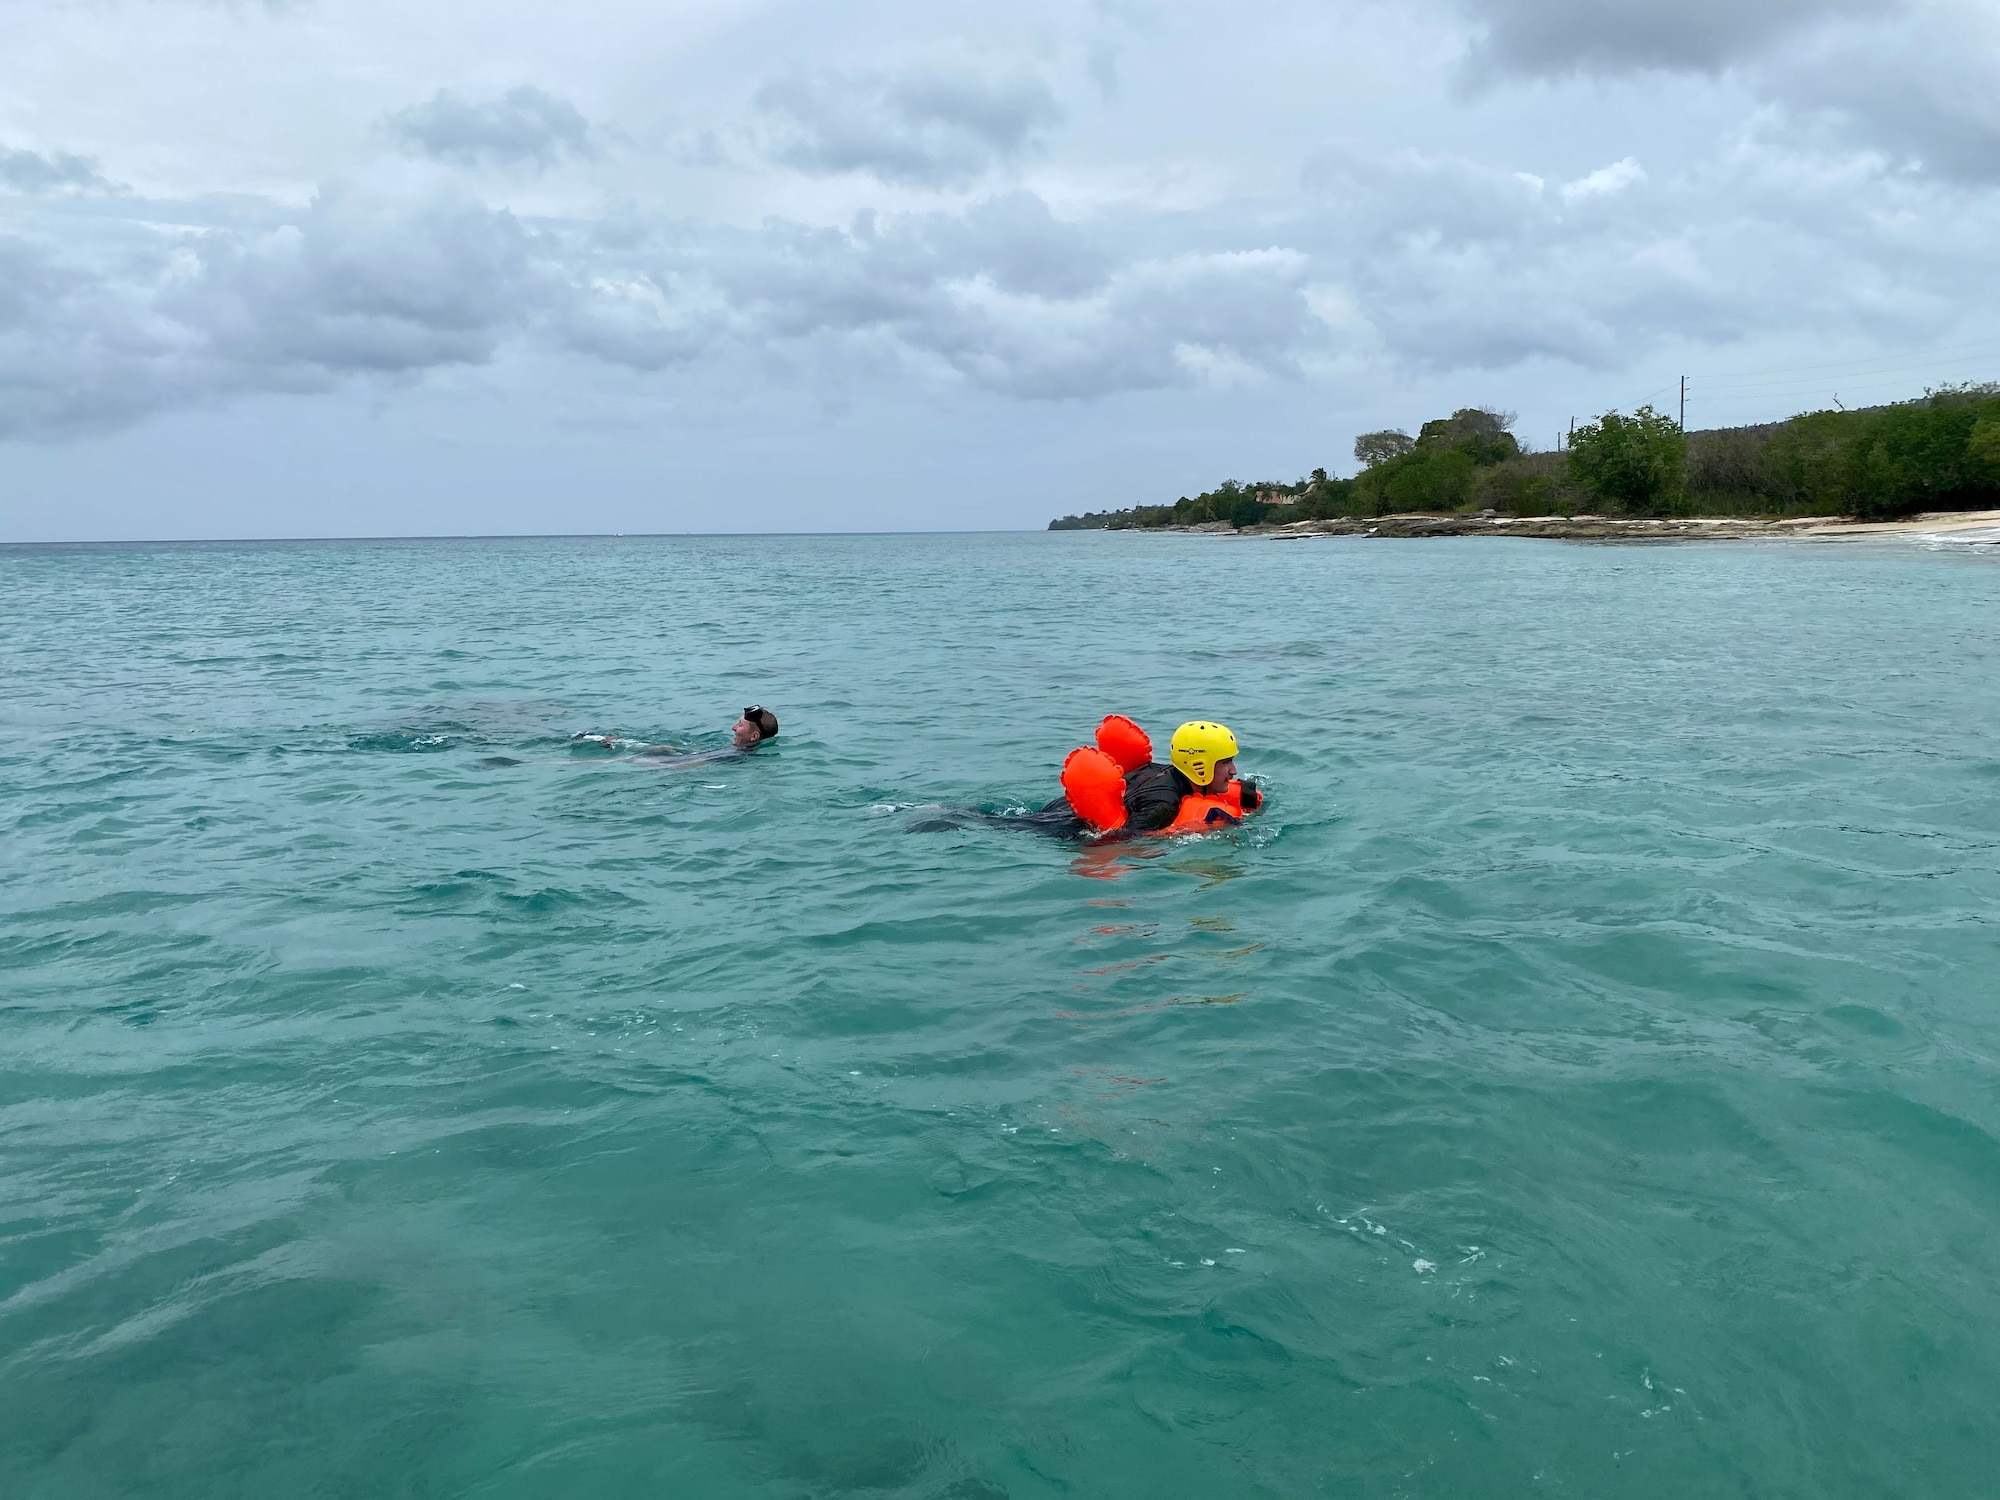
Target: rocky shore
x=1614, y=528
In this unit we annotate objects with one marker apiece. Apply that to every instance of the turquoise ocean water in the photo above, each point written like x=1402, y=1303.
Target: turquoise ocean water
x=1581, y=1082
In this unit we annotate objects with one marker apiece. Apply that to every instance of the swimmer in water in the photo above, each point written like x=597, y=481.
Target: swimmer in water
x=749, y=731
x=1200, y=772
x=1202, y=764
x=757, y=725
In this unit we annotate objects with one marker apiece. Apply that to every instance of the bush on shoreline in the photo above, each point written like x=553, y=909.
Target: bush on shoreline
x=1938, y=453
x=1636, y=465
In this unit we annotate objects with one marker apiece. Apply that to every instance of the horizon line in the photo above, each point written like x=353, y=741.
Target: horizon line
x=499, y=536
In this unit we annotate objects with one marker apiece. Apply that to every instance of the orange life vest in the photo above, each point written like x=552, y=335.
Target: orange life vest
x=1198, y=813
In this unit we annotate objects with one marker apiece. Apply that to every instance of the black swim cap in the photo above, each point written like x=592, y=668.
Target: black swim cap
x=764, y=719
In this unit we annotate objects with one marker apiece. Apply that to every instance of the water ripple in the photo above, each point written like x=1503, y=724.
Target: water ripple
x=1582, y=1076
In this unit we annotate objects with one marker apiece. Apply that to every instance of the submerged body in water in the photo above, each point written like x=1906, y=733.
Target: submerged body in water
x=1058, y=820
x=755, y=726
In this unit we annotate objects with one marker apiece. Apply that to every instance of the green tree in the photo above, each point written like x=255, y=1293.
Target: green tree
x=1326, y=499
x=1426, y=479
x=1983, y=447
x=1921, y=455
x=1479, y=434
x=1438, y=469
x=1248, y=512
x=1374, y=448
x=1634, y=463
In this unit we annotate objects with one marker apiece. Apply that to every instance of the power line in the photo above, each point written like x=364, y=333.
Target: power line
x=1841, y=383
x=1729, y=400
x=1846, y=364
x=1797, y=382
x=1834, y=387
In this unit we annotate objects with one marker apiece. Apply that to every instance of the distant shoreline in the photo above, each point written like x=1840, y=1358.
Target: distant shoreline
x=1620, y=475
x=1610, y=528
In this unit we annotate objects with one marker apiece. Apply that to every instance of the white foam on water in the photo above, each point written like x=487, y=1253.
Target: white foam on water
x=1982, y=537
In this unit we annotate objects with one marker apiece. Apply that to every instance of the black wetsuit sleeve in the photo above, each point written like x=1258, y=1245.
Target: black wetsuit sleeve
x=1060, y=819
x=1152, y=797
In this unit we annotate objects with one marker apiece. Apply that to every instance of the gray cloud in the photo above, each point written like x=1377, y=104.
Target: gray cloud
x=936, y=291
x=57, y=172
x=1918, y=80
x=1551, y=37
x=925, y=127
x=1926, y=92
x=352, y=288
x=1419, y=265
x=101, y=337
x=1452, y=265
x=1002, y=296
x=1441, y=264
x=523, y=126
x=1022, y=248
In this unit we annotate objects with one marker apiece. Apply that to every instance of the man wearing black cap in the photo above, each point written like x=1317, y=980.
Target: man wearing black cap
x=746, y=734
x=756, y=726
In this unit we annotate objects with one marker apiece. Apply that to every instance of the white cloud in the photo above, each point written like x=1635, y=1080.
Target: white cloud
x=1605, y=181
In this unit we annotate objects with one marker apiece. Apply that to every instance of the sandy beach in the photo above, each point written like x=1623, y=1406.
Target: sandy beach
x=1614, y=528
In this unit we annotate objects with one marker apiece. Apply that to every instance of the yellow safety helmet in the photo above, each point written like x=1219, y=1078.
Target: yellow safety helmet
x=1198, y=746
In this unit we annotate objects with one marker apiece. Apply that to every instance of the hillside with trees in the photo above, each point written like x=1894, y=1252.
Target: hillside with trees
x=1938, y=453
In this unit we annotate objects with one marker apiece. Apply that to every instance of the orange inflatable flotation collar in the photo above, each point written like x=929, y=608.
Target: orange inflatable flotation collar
x=1095, y=786
x=1124, y=741
x=1094, y=780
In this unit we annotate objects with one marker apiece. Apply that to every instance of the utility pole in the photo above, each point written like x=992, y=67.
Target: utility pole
x=1684, y=403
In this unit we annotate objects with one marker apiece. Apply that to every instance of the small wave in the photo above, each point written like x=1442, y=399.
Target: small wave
x=1986, y=537
x=407, y=741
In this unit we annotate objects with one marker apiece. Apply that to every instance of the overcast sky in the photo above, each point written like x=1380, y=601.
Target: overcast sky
x=354, y=267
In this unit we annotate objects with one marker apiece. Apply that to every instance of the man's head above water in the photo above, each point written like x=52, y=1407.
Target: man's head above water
x=756, y=726
x=1205, y=753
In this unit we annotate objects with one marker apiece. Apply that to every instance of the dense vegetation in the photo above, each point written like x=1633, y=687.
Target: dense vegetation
x=1938, y=453
x=1232, y=502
